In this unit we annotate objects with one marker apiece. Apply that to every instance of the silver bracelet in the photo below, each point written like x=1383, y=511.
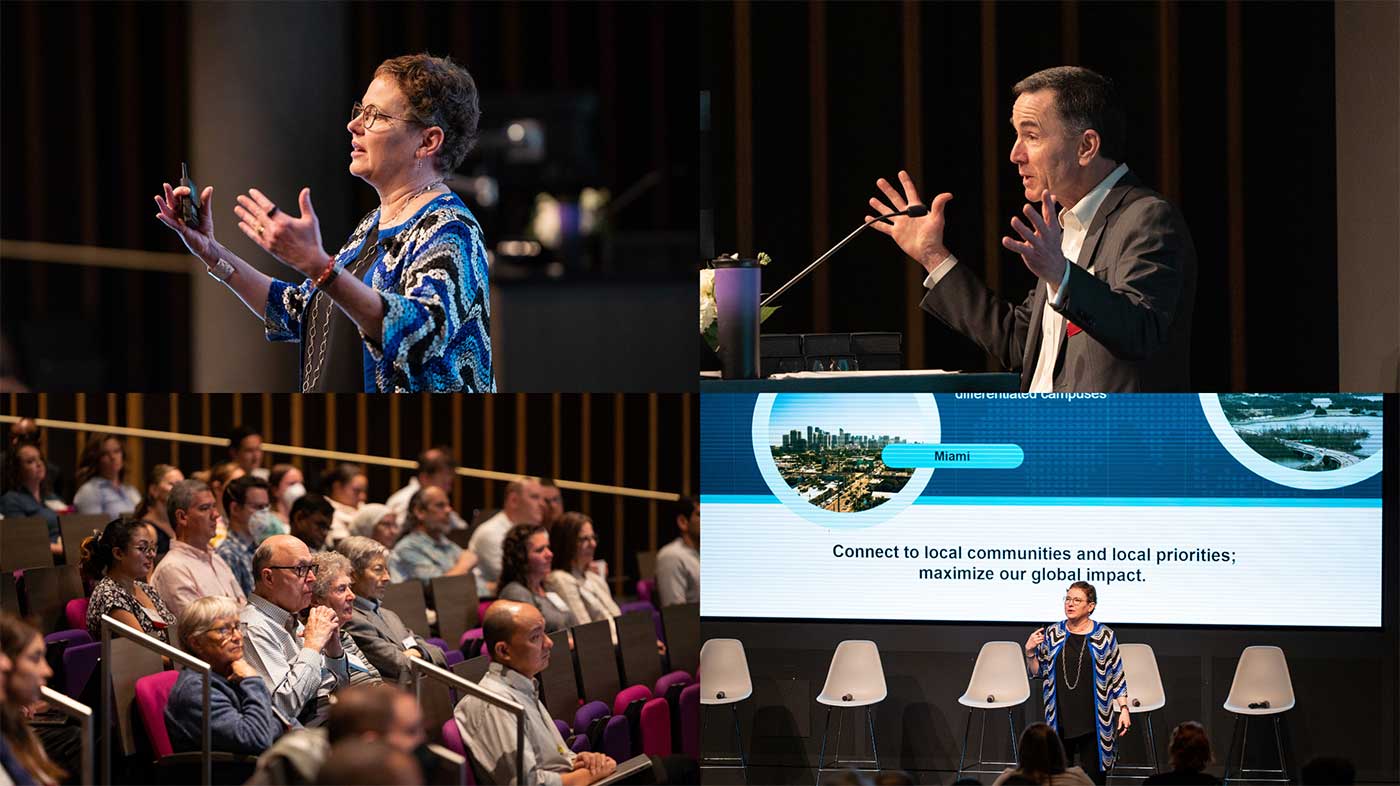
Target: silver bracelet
x=221, y=272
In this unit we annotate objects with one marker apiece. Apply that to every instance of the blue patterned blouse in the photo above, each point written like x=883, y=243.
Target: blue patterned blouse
x=431, y=272
x=1110, y=685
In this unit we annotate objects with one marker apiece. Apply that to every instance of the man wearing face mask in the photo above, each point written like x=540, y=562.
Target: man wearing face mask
x=246, y=500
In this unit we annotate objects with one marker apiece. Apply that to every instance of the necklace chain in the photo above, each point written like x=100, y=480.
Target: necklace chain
x=411, y=197
x=1078, y=666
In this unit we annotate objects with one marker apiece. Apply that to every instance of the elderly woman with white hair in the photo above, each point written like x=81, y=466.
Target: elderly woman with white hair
x=380, y=633
x=331, y=588
x=241, y=719
x=376, y=522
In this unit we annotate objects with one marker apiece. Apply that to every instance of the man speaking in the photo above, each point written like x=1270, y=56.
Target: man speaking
x=1115, y=266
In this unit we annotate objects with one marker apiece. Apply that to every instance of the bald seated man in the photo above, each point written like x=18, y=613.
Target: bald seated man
x=519, y=650
x=301, y=664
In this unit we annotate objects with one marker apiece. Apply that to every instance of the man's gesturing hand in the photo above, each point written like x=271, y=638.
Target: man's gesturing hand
x=920, y=238
x=1040, y=249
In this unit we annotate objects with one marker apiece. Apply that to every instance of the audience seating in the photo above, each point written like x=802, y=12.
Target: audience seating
x=636, y=640
x=74, y=528
x=472, y=669
x=646, y=591
x=998, y=682
x=682, y=637
x=597, y=661
x=454, y=599
x=79, y=664
x=1145, y=695
x=690, y=720
x=407, y=600
x=24, y=543
x=724, y=679
x=646, y=568
x=452, y=739
x=9, y=594
x=1262, y=686
x=472, y=642
x=56, y=645
x=76, y=613
x=47, y=592
x=130, y=662
x=559, y=680
x=855, y=679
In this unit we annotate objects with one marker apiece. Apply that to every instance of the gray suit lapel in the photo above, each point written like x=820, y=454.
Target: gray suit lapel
x=1110, y=204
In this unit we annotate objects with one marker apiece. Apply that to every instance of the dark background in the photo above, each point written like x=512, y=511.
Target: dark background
x=1345, y=681
x=636, y=441
x=96, y=98
x=1231, y=117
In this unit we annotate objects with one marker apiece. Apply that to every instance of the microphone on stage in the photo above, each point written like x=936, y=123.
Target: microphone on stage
x=847, y=697
x=719, y=694
x=1259, y=705
x=991, y=698
x=1137, y=703
x=915, y=210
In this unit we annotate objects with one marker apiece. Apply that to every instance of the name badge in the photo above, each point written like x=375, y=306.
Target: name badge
x=557, y=601
x=409, y=643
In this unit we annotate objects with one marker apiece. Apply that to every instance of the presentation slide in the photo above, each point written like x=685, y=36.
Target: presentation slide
x=1215, y=509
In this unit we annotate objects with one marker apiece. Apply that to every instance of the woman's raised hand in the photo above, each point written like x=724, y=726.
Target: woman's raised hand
x=296, y=242
x=1033, y=643
x=199, y=240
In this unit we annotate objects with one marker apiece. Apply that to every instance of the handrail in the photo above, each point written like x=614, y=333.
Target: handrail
x=452, y=758
x=83, y=714
x=338, y=455
x=421, y=668
x=111, y=626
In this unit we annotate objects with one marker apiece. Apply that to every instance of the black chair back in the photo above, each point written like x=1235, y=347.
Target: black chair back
x=682, y=624
x=597, y=662
x=407, y=600
x=559, y=680
x=24, y=543
x=636, y=638
x=454, y=598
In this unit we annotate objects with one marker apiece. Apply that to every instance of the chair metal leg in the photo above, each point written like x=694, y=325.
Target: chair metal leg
x=870, y=723
x=1011, y=723
x=962, y=755
x=739, y=742
x=836, y=749
x=821, y=755
x=1230, y=755
x=1278, y=740
x=982, y=740
x=1152, y=745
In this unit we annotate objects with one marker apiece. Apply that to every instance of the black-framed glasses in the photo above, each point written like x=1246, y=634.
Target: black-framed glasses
x=300, y=570
x=371, y=113
x=226, y=632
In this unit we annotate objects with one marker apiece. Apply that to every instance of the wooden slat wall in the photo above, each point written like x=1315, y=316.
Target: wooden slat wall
x=649, y=442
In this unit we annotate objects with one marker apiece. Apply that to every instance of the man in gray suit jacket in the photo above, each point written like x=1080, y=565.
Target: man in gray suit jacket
x=387, y=643
x=1111, y=311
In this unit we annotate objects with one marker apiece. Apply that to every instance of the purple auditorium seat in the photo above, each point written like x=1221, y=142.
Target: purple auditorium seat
x=646, y=590
x=690, y=720
x=476, y=638
x=437, y=642
x=562, y=727
x=452, y=739
x=79, y=662
x=152, y=694
x=617, y=739
x=580, y=743
x=453, y=657
x=587, y=714
x=656, y=728
x=76, y=613
x=70, y=638
x=663, y=685
x=628, y=695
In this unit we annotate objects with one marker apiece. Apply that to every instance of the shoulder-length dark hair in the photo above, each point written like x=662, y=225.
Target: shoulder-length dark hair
x=92, y=454
x=563, y=538
x=15, y=636
x=14, y=470
x=1190, y=747
x=97, y=548
x=1042, y=753
x=515, y=556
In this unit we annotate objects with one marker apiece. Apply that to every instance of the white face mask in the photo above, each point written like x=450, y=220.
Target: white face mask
x=259, y=523
x=293, y=493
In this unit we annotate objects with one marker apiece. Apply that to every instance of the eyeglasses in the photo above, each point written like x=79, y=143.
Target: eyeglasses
x=226, y=632
x=371, y=113
x=300, y=570
x=588, y=539
x=147, y=550
x=1077, y=601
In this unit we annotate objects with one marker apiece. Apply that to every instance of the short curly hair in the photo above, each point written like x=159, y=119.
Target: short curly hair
x=439, y=93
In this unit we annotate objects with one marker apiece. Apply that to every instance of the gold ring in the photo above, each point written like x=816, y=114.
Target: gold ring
x=259, y=230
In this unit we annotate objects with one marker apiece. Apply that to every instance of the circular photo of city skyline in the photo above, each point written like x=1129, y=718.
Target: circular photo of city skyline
x=828, y=448
x=1311, y=432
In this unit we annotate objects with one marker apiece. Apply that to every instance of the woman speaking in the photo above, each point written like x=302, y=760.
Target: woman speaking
x=405, y=304
x=1084, y=682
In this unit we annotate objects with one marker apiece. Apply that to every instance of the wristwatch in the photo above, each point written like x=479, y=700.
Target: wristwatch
x=221, y=272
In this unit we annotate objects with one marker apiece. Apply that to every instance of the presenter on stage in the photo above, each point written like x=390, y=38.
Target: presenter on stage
x=1084, y=684
x=1116, y=268
x=405, y=304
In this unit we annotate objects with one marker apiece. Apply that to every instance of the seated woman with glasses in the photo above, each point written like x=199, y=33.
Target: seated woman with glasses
x=240, y=708
x=526, y=560
x=404, y=305
x=573, y=541
x=119, y=560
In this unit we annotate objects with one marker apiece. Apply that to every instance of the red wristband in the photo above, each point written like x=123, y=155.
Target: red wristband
x=327, y=276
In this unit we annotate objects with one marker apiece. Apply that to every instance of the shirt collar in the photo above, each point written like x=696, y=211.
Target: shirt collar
x=206, y=555
x=1081, y=215
x=368, y=604
x=514, y=679
x=276, y=613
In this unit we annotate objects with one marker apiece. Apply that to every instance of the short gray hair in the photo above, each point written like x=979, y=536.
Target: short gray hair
x=199, y=617
x=361, y=551
x=262, y=558
x=182, y=496
x=367, y=518
x=328, y=565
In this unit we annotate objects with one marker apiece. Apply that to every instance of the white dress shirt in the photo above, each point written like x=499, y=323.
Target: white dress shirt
x=490, y=731
x=1075, y=223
